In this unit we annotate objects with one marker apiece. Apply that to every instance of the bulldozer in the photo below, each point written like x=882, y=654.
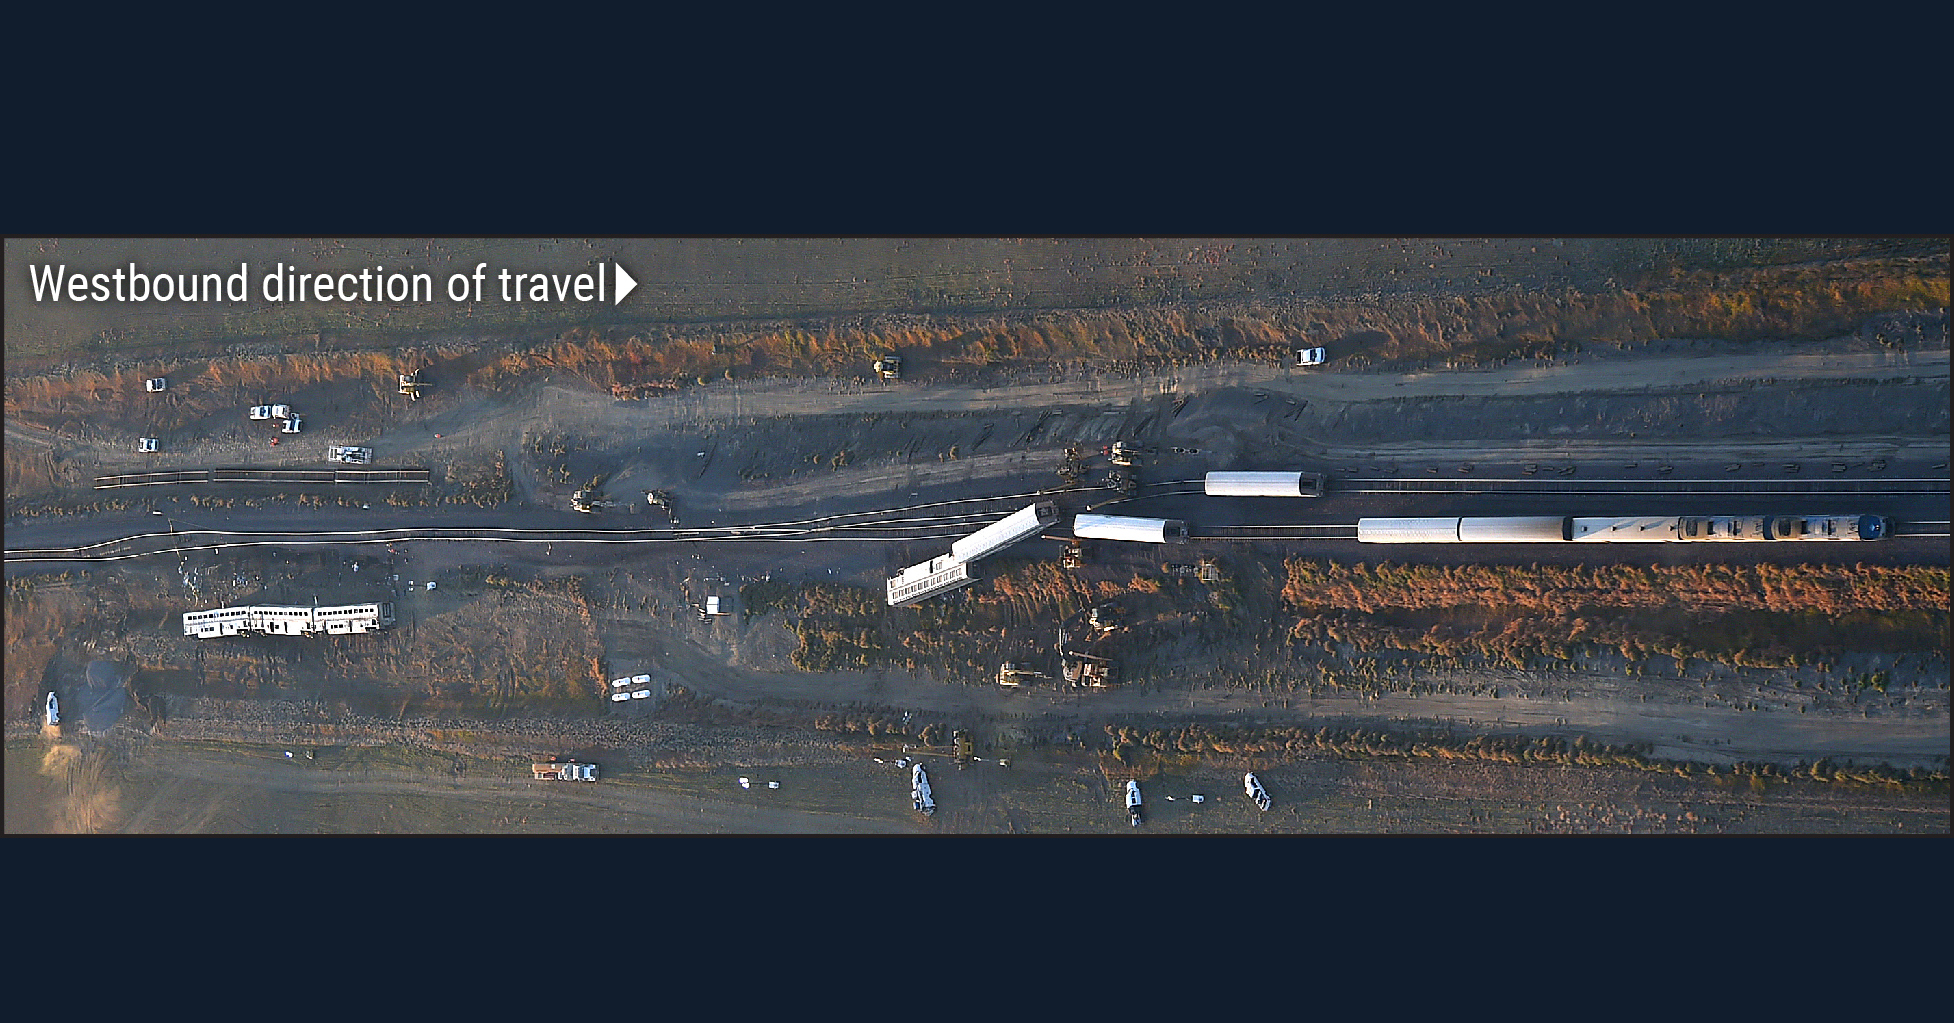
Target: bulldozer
x=1126, y=455
x=662, y=499
x=1016, y=673
x=888, y=367
x=588, y=500
x=1104, y=618
x=1086, y=670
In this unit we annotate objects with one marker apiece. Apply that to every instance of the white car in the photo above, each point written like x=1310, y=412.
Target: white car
x=291, y=425
x=146, y=444
x=156, y=384
x=1309, y=356
x=1133, y=802
x=620, y=697
x=641, y=680
x=642, y=694
x=53, y=709
x=1255, y=791
x=261, y=411
x=620, y=683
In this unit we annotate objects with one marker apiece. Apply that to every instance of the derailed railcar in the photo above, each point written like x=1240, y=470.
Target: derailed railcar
x=1124, y=527
x=1026, y=522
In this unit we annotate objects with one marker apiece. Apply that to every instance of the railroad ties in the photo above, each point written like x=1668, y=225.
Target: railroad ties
x=285, y=477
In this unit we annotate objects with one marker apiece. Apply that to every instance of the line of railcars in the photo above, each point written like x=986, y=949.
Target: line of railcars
x=1624, y=529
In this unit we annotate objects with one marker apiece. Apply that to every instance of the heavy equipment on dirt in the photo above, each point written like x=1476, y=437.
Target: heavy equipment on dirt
x=589, y=499
x=662, y=499
x=1016, y=673
x=1088, y=670
x=562, y=770
x=1127, y=455
x=1105, y=618
x=888, y=367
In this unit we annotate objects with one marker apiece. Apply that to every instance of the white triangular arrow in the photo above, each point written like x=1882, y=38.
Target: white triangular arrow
x=624, y=283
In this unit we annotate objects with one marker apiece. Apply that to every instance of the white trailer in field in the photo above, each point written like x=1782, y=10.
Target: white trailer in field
x=1019, y=525
x=1263, y=484
x=1123, y=527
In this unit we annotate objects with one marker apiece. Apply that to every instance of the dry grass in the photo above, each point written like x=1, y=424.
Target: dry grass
x=89, y=802
x=1772, y=303
x=1828, y=589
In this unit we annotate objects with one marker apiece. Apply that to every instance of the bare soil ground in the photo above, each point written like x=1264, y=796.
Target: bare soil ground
x=232, y=786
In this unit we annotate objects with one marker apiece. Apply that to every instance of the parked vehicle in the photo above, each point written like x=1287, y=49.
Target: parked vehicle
x=1255, y=791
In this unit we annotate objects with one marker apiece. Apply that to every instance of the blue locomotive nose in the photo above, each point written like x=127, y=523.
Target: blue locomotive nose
x=1872, y=527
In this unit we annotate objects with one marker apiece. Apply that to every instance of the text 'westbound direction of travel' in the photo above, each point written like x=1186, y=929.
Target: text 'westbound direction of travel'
x=608, y=282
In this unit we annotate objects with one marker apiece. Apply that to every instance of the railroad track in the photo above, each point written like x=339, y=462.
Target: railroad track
x=1563, y=485
x=277, y=476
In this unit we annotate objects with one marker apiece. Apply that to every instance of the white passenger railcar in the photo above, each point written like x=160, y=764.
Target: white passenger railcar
x=1625, y=529
x=1124, y=527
